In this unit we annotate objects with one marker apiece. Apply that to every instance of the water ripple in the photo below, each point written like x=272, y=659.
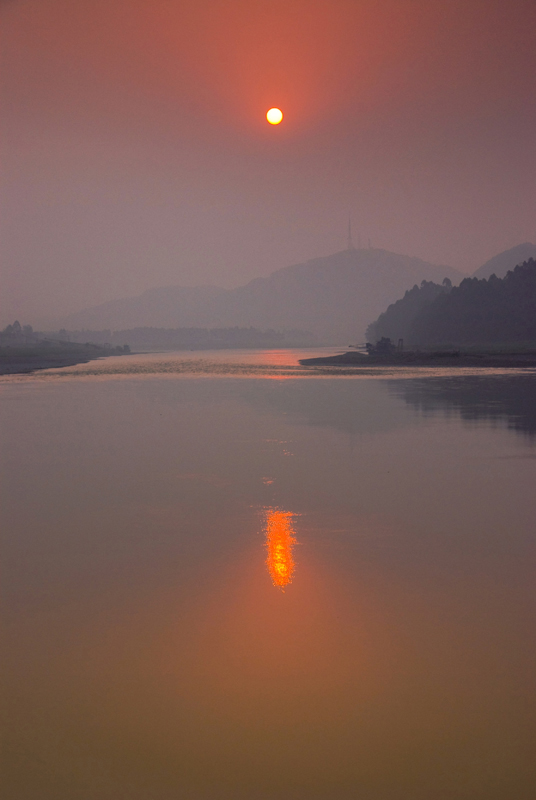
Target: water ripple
x=145, y=366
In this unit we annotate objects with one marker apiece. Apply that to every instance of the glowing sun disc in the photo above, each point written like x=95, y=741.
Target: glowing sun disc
x=274, y=116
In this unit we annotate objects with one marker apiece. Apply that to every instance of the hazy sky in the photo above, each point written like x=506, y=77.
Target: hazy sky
x=135, y=150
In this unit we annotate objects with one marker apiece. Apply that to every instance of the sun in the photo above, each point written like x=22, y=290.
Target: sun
x=274, y=116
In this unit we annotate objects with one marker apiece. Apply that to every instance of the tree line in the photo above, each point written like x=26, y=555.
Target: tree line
x=495, y=311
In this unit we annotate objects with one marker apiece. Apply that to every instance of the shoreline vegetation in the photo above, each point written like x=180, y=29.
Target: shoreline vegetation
x=51, y=355
x=24, y=350
x=438, y=358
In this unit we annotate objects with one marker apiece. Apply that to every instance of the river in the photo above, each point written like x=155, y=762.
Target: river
x=228, y=577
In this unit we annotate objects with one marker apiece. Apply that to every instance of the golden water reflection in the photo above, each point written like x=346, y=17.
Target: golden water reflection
x=280, y=540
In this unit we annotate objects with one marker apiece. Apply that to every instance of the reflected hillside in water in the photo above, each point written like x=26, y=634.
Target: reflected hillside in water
x=349, y=406
x=509, y=401
x=361, y=407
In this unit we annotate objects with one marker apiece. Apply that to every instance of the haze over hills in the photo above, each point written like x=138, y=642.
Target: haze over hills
x=162, y=307
x=508, y=259
x=333, y=297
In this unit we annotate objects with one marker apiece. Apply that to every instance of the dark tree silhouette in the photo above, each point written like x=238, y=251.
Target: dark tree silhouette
x=397, y=321
x=493, y=311
x=477, y=312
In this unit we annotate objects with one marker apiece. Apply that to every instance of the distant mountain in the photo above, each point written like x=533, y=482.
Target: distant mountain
x=152, y=339
x=332, y=297
x=501, y=263
x=165, y=307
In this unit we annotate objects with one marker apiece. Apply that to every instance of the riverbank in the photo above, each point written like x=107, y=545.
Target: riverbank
x=425, y=359
x=15, y=360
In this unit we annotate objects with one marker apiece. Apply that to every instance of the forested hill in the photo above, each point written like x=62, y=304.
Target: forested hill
x=397, y=322
x=481, y=312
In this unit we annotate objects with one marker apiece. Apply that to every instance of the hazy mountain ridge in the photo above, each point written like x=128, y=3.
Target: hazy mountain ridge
x=166, y=306
x=507, y=260
x=151, y=338
x=334, y=297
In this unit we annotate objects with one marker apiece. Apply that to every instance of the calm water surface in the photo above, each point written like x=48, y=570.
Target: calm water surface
x=227, y=577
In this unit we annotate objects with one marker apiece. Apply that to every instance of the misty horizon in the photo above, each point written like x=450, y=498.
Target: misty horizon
x=499, y=264
x=136, y=151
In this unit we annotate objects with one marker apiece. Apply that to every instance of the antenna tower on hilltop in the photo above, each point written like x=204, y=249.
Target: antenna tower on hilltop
x=350, y=242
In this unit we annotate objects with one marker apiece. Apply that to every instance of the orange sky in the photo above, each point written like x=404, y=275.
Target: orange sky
x=137, y=152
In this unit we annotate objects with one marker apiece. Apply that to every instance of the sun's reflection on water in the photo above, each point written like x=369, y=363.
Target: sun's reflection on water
x=280, y=540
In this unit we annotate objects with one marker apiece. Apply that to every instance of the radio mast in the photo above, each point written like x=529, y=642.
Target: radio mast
x=350, y=242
